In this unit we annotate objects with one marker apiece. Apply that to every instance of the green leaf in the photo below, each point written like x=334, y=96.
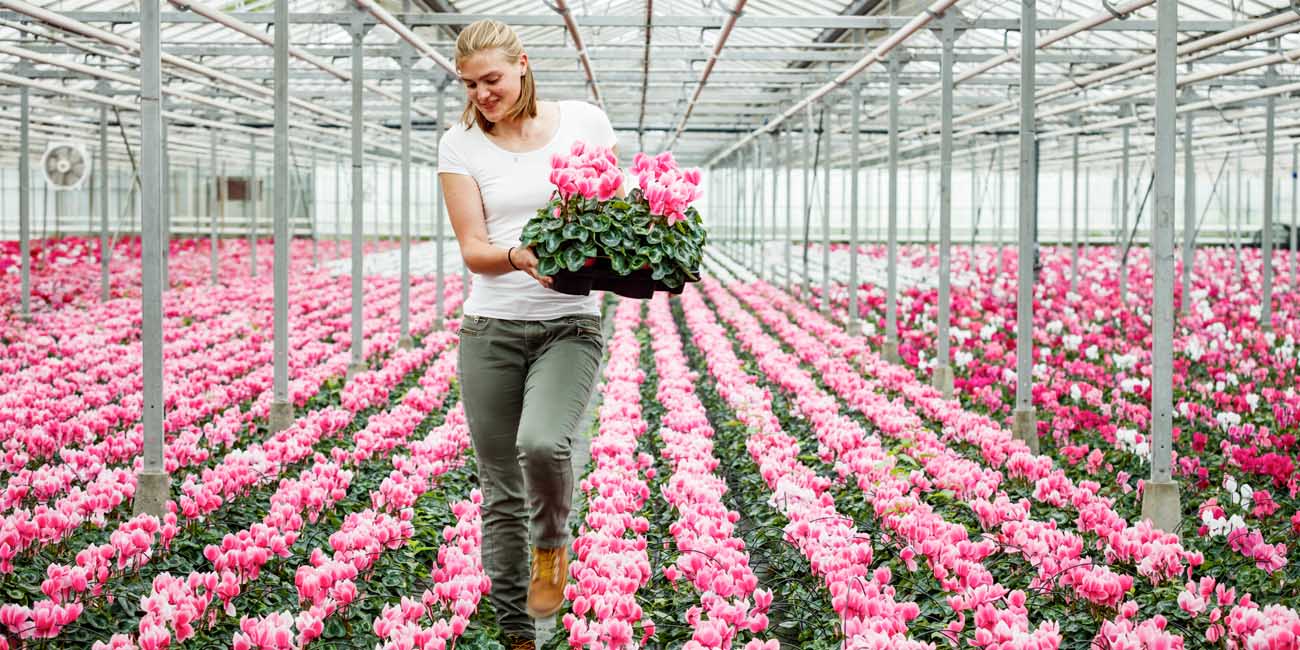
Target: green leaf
x=611, y=238
x=654, y=236
x=618, y=262
x=589, y=250
x=654, y=255
x=548, y=266
x=573, y=259
x=574, y=230
x=658, y=273
x=595, y=222
x=552, y=241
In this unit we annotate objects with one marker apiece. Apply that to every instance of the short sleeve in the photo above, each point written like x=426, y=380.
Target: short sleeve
x=450, y=160
x=604, y=131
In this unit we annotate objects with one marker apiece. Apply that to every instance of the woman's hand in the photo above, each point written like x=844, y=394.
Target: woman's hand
x=526, y=260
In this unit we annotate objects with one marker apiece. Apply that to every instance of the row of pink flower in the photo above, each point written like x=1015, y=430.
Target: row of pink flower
x=175, y=605
x=65, y=272
x=328, y=584
x=611, y=563
x=1123, y=629
x=862, y=598
x=1076, y=368
x=205, y=371
x=955, y=559
x=131, y=545
x=319, y=303
x=21, y=530
x=712, y=558
x=995, y=628
x=460, y=583
x=1158, y=556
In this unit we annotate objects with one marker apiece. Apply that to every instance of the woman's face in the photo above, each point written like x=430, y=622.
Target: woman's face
x=492, y=81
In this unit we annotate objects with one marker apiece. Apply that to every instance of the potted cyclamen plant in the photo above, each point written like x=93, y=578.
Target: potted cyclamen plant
x=587, y=238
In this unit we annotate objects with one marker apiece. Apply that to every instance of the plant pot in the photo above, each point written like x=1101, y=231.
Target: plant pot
x=599, y=276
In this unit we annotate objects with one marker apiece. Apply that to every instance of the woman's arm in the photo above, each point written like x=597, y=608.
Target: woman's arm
x=465, y=207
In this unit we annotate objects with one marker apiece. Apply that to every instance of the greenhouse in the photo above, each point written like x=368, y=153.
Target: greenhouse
x=493, y=324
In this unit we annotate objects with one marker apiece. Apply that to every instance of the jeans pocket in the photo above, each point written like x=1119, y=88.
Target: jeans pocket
x=588, y=327
x=474, y=325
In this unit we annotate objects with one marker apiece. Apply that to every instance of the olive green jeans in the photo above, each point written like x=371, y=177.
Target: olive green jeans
x=525, y=386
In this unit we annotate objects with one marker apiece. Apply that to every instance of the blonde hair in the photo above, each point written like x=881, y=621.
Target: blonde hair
x=488, y=34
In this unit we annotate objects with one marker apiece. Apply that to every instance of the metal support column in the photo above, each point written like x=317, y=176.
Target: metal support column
x=942, y=375
x=789, y=208
x=358, y=32
x=1266, y=250
x=25, y=200
x=807, y=191
x=891, y=265
x=253, y=194
x=1160, y=494
x=152, y=488
x=1122, y=235
x=166, y=209
x=212, y=208
x=404, y=61
x=104, y=253
x=771, y=234
x=1074, y=211
x=1025, y=422
x=826, y=221
x=855, y=118
x=1295, y=170
x=759, y=192
x=1189, y=213
x=281, y=407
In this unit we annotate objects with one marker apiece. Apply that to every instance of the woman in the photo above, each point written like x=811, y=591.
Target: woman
x=529, y=356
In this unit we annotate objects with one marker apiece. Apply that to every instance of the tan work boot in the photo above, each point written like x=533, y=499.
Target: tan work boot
x=550, y=573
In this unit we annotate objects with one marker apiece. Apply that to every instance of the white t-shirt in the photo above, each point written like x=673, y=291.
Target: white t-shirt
x=514, y=186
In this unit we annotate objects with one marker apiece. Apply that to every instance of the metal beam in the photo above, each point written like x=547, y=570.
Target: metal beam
x=281, y=415
x=1025, y=419
x=1160, y=494
x=828, y=21
x=152, y=479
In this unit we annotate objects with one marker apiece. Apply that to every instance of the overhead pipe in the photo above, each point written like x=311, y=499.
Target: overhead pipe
x=878, y=55
x=1056, y=36
x=299, y=53
x=19, y=81
x=645, y=74
x=1128, y=94
x=405, y=33
x=1136, y=65
x=128, y=80
x=262, y=93
x=704, y=78
x=562, y=8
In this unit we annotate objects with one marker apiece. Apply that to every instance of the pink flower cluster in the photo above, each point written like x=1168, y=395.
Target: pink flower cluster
x=712, y=558
x=668, y=189
x=611, y=562
x=311, y=361
x=863, y=599
x=588, y=171
x=240, y=557
x=459, y=584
